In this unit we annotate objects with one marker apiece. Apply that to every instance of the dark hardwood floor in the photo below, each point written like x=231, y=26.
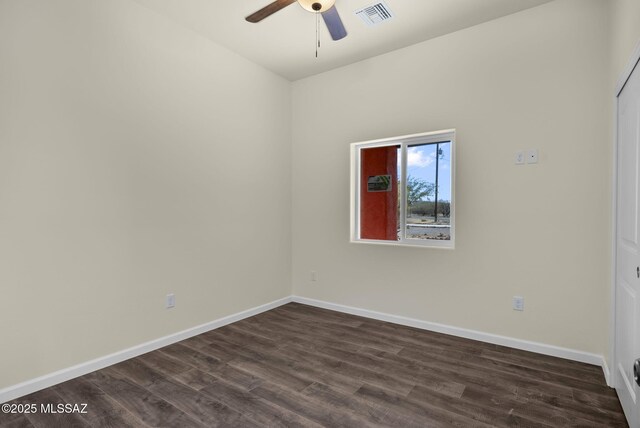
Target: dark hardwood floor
x=302, y=366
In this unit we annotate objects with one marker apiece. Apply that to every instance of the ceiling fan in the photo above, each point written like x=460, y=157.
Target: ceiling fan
x=324, y=7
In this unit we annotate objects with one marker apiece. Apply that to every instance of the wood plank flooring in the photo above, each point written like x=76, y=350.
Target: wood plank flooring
x=302, y=366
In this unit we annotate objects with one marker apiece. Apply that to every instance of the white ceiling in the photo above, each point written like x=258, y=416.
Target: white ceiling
x=285, y=42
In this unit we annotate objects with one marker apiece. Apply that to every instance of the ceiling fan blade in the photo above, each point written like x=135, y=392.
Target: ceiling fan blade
x=334, y=23
x=268, y=10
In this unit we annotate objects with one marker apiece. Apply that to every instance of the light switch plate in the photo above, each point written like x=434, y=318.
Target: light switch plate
x=532, y=156
x=519, y=159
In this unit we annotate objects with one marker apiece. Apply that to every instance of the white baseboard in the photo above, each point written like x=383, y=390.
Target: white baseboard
x=607, y=373
x=540, y=348
x=33, y=385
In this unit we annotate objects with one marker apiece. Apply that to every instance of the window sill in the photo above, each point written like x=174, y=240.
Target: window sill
x=433, y=244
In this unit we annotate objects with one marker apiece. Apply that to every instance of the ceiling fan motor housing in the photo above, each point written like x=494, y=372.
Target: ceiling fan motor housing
x=317, y=5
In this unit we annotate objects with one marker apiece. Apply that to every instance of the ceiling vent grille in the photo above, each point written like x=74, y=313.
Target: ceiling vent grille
x=375, y=14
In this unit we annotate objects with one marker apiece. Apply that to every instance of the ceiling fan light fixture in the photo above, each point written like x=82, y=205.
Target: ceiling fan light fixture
x=317, y=5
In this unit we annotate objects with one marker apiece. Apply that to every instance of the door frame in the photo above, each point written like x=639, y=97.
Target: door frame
x=633, y=62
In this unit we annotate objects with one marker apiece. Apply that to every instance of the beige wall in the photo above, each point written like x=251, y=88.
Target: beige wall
x=625, y=28
x=536, y=79
x=136, y=159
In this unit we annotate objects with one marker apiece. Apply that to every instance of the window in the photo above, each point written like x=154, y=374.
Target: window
x=402, y=190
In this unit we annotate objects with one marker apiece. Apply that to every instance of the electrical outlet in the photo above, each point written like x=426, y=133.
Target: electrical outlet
x=314, y=276
x=532, y=156
x=519, y=158
x=170, y=301
x=518, y=303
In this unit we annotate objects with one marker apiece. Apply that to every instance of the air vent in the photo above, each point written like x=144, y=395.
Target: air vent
x=375, y=14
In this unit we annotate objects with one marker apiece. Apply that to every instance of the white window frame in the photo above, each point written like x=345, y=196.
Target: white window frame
x=404, y=141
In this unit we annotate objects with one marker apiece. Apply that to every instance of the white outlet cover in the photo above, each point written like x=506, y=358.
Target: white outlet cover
x=532, y=156
x=519, y=158
x=170, y=301
x=518, y=303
